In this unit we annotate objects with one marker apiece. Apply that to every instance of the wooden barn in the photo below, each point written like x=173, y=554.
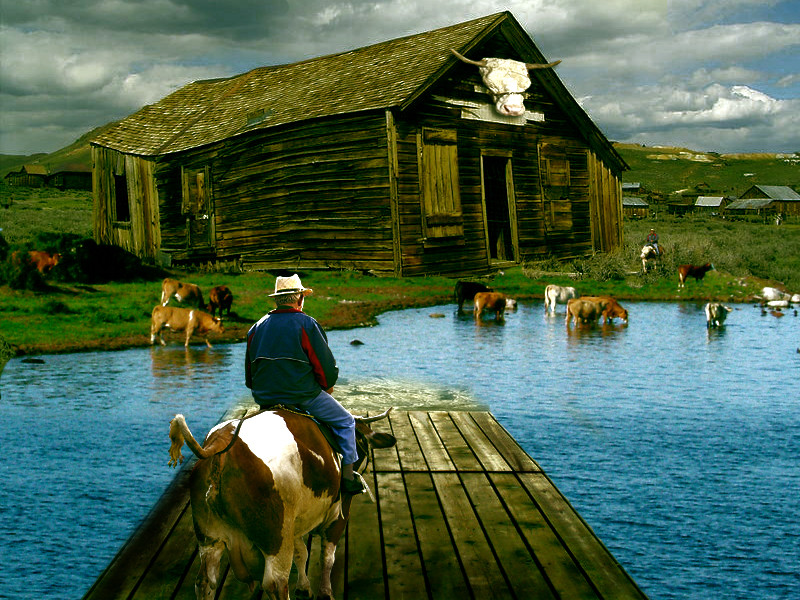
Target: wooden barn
x=635, y=208
x=71, y=177
x=389, y=158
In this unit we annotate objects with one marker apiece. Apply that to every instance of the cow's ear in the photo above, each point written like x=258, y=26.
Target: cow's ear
x=380, y=439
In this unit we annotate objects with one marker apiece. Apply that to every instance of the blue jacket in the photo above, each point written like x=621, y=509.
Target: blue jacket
x=288, y=359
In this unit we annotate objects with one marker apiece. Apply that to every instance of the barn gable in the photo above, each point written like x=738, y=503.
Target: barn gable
x=388, y=158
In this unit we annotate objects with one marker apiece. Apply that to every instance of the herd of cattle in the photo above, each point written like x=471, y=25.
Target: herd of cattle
x=190, y=320
x=590, y=310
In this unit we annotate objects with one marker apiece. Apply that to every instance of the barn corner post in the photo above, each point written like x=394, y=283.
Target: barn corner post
x=394, y=166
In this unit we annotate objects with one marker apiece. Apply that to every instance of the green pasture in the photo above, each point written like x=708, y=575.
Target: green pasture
x=67, y=315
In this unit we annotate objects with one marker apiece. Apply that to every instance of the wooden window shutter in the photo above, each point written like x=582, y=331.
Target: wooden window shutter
x=195, y=191
x=441, y=198
x=554, y=169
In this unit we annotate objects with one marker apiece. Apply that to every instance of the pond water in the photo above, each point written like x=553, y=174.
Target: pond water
x=678, y=445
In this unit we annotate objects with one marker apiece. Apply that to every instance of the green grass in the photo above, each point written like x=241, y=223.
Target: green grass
x=24, y=212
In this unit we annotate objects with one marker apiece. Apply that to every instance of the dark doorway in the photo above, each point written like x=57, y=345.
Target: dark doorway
x=495, y=194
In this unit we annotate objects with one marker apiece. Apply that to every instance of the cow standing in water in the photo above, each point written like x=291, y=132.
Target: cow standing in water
x=261, y=484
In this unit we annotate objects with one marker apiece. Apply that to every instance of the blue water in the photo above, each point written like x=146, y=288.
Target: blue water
x=678, y=446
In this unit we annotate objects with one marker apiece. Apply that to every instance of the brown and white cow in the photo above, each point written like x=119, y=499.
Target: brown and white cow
x=716, y=313
x=182, y=319
x=183, y=292
x=609, y=308
x=580, y=310
x=554, y=294
x=492, y=301
x=256, y=491
x=506, y=80
x=220, y=297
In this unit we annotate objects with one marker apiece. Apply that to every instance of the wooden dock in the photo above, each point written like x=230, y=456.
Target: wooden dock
x=461, y=512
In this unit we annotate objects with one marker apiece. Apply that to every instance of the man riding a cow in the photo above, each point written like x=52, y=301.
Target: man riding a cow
x=289, y=362
x=652, y=241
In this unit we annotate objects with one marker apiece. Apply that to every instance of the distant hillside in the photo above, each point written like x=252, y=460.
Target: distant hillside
x=659, y=169
x=76, y=153
x=672, y=170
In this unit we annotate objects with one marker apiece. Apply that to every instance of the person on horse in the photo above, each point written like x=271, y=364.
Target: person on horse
x=288, y=362
x=652, y=241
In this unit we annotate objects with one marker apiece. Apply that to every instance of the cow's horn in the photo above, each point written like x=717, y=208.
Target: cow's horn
x=477, y=63
x=547, y=66
x=383, y=415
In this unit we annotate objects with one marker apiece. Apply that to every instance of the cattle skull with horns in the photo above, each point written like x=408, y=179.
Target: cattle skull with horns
x=261, y=484
x=506, y=80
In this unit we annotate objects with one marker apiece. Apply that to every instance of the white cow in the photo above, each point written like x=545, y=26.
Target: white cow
x=557, y=294
x=716, y=313
x=506, y=80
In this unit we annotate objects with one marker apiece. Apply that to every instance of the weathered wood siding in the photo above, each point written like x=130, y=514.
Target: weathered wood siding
x=313, y=195
x=116, y=175
x=562, y=200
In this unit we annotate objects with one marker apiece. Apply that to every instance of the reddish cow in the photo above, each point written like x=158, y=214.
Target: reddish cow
x=466, y=290
x=581, y=310
x=258, y=487
x=609, y=308
x=698, y=273
x=184, y=292
x=40, y=259
x=494, y=301
x=220, y=298
x=182, y=319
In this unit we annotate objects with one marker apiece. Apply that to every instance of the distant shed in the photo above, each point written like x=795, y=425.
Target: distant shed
x=34, y=176
x=751, y=206
x=635, y=208
x=710, y=204
x=388, y=158
x=71, y=177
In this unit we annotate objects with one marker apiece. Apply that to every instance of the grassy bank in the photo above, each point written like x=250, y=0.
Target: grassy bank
x=66, y=316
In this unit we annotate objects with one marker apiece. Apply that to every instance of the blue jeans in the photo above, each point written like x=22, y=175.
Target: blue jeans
x=327, y=409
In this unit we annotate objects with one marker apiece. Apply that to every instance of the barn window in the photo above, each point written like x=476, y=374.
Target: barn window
x=195, y=192
x=441, y=200
x=122, y=209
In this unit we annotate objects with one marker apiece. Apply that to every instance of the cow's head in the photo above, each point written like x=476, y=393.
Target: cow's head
x=506, y=80
x=365, y=437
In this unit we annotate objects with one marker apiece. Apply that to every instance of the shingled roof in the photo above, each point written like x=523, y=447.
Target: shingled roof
x=385, y=75
x=379, y=76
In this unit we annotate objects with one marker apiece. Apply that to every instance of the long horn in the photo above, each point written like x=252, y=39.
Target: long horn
x=547, y=66
x=376, y=418
x=481, y=63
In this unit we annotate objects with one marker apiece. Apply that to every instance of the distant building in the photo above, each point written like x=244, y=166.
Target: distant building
x=750, y=206
x=28, y=176
x=631, y=188
x=783, y=199
x=634, y=208
x=710, y=204
x=71, y=177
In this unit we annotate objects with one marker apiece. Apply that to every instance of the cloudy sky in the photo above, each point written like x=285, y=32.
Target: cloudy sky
x=720, y=75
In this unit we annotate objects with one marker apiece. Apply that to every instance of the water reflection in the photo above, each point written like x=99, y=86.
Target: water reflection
x=172, y=361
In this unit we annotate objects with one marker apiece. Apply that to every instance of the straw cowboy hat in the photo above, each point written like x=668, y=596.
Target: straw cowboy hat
x=290, y=285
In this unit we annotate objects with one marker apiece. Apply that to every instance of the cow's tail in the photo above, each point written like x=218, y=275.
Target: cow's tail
x=179, y=433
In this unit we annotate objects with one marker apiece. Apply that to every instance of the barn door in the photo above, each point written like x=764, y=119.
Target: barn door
x=198, y=208
x=498, y=202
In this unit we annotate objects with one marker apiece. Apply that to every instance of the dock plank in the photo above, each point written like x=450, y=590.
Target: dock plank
x=462, y=512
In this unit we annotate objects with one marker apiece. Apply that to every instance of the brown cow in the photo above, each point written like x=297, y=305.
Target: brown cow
x=42, y=260
x=698, y=273
x=490, y=301
x=609, y=308
x=585, y=311
x=261, y=483
x=180, y=319
x=184, y=292
x=221, y=298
